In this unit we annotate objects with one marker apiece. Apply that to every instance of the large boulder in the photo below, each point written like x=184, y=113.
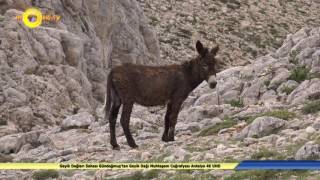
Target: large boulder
x=309, y=151
x=261, y=126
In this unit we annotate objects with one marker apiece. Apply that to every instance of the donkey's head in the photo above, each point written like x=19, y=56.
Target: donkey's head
x=207, y=63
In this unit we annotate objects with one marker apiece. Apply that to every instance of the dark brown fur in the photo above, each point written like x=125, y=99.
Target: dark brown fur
x=152, y=86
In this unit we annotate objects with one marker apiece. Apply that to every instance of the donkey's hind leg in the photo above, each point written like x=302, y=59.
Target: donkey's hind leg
x=125, y=121
x=112, y=124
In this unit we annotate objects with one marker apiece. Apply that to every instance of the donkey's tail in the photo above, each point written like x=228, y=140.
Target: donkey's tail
x=109, y=96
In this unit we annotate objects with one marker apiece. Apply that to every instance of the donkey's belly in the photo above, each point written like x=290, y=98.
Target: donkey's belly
x=151, y=101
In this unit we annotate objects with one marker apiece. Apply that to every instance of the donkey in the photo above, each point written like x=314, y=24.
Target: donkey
x=151, y=86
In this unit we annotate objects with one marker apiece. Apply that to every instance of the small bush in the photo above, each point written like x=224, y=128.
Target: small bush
x=299, y=74
x=216, y=128
x=287, y=89
x=267, y=154
x=267, y=82
x=45, y=174
x=311, y=107
x=293, y=57
x=236, y=103
x=282, y=114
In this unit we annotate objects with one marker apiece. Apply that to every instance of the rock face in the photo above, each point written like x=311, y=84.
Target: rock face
x=261, y=126
x=284, y=77
x=308, y=151
x=60, y=69
x=244, y=30
x=81, y=120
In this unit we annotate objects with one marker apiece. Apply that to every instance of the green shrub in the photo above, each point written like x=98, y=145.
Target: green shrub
x=267, y=82
x=236, y=103
x=293, y=57
x=45, y=174
x=311, y=107
x=299, y=74
x=287, y=89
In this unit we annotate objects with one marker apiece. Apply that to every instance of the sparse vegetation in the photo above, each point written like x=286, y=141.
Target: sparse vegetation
x=282, y=114
x=229, y=159
x=311, y=107
x=45, y=174
x=293, y=57
x=236, y=103
x=228, y=122
x=287, y=89
x=267, y=82
x=299, y=74
x=267, y=174
x=153, y=173
x=267, y=154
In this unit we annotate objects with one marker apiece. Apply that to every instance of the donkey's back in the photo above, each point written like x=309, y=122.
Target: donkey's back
x=146, y=85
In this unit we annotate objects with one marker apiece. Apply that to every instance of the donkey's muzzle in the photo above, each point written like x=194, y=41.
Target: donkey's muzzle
x=212, y=85
x=212, y=82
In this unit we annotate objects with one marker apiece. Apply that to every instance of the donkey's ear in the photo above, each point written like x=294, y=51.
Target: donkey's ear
x=201, y=50
x=215, y=50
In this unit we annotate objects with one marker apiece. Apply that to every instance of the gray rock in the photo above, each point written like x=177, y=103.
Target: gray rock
x=307, y=90
x=311, y=41
x=13, y=143
x=281, y=76
x=193, y=127
x=80, y=120
x=61, y=69
x=286, y=47
x=298, y=36
x=261, y=126
x=309, y=151
x=207, y=99
x=251, y=93
x=269, y=96
x=315, y=67
x=290, y=84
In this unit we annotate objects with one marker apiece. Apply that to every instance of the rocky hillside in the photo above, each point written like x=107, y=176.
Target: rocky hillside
x=60, y=69
x=245, y=29
x=52, y=82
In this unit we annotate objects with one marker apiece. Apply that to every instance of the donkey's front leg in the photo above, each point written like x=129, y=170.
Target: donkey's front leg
x=175, y=108
x=166, y=123
x=125, y=121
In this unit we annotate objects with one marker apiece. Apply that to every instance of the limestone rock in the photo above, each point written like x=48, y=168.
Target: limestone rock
x=81, y=120
x=261, y=126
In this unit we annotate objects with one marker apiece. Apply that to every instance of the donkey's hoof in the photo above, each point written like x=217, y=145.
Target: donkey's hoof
x=116, y=147
x=171, y=139
x=165, y=139
x=134, y=146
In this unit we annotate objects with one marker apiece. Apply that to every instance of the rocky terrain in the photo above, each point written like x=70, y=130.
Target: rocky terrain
x=245, y=29
x=52, y=82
